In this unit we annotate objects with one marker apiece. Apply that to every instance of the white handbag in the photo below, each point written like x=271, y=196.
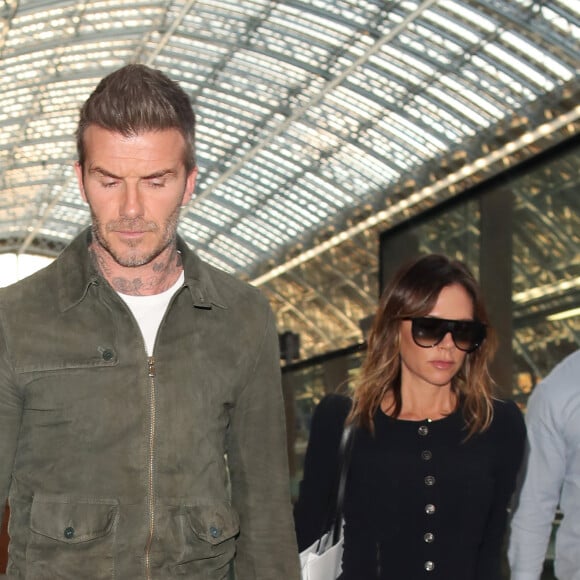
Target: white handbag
x=323, y=559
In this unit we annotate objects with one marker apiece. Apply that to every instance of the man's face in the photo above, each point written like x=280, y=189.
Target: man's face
x=135, y=187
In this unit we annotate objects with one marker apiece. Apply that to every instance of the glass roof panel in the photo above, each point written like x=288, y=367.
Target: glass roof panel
x=306, y=110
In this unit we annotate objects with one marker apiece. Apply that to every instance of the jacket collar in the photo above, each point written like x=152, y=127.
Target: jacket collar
x=199, y=279
x=76, y=273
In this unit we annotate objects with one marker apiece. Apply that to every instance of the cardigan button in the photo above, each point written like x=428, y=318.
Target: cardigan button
x=430, y=509
x=426, y=455
x=429, y=538
x=423, y=430
x=429, y=481
x=429, y=566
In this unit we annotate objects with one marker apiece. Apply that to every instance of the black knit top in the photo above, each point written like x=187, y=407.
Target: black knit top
x=421, y=503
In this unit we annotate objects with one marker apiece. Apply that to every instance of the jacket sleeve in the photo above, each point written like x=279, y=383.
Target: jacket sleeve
x=510, y=443
x=540, y=492
x=258, y=463
x=319, y=484
x=10, y=417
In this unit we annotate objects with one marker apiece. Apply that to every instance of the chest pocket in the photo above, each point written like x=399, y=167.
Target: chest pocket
x=99, y=356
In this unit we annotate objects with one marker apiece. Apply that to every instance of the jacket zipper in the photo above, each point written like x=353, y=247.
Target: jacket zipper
x=151, y=496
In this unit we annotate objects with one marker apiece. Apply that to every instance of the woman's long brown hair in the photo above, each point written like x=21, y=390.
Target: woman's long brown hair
x=413, y=292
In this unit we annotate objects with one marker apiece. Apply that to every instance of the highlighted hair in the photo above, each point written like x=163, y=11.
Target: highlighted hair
x=412, y=293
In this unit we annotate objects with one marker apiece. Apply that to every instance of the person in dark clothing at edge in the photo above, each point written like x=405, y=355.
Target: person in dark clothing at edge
x=435, y=457
x=141, y=413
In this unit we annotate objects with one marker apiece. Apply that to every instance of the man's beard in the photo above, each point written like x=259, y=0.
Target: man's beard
x=136, y=259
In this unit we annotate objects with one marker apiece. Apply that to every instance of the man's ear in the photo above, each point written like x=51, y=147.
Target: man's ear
x=189, y=187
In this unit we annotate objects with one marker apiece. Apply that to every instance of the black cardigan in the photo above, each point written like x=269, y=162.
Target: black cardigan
x=421, y=503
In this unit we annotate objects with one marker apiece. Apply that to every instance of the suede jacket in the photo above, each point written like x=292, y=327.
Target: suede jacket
x=119, y=465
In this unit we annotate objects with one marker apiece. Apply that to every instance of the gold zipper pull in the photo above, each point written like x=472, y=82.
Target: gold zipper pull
x=151, y=365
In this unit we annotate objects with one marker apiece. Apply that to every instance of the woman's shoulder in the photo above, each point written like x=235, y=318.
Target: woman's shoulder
x=508, y=420
x=335, y=402
x=329, y=416
x=332, y=407
x=506, y=411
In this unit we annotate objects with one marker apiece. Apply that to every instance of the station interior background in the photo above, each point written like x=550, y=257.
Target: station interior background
x=336, y=138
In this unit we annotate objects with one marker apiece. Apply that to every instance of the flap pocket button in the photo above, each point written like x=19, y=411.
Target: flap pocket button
x=108, y=355
x=69, y=533
x=215, y=532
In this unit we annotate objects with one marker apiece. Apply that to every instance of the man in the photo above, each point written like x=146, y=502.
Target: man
x=552, y=477
x=141, y=417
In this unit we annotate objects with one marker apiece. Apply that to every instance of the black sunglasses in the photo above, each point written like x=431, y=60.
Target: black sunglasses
x=429, y=331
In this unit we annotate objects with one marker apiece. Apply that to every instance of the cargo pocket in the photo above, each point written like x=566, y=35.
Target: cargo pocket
x=71, y=539
x=212, y=530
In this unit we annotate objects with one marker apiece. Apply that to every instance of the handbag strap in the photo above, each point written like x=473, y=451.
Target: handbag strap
x=344, y=453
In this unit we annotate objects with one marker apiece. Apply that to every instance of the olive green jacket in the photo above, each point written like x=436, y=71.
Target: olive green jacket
x=115, y=463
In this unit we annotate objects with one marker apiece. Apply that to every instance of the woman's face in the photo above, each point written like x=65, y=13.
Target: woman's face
x=437, y=365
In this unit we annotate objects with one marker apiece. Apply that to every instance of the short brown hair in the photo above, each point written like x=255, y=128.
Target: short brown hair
x=137, y=98
x=412, y=293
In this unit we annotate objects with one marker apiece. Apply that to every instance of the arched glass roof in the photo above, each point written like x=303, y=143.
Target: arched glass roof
x=318, y=120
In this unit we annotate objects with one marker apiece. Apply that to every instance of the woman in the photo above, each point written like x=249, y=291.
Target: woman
x=435, y=456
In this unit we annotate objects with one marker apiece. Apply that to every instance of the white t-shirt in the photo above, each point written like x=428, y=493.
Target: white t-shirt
x=149, y=311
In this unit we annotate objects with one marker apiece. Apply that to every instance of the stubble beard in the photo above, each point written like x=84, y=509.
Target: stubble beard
x=136, y=258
